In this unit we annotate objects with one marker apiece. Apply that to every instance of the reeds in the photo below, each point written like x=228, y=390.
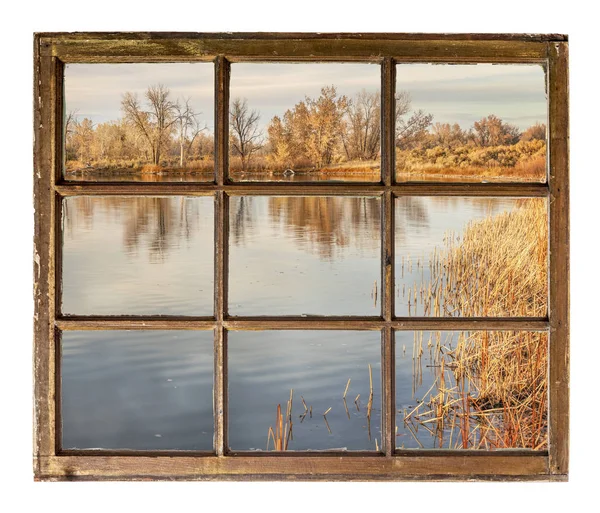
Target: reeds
x=497, y=267
x=489, y=392
x=281, y=434
x=490, y=389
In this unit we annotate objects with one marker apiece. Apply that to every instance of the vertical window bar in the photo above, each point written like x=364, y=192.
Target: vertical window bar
x=559, y=258
x=221, y=250
x=388, y=83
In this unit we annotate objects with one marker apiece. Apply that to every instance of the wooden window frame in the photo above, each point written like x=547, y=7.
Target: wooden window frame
x=53, y=50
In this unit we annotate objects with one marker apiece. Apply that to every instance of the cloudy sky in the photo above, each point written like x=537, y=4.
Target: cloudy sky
x=452, y=93
x=95, y=90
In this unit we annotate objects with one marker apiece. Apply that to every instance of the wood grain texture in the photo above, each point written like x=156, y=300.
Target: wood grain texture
x=301, y=189
x=275, y=467
x=96, y=48
x=394, y=36
x=559, y=257
x=43, y=256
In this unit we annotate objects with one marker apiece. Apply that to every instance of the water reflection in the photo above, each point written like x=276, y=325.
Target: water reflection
x=137, y=255
x=305, y=255
x=466, y=256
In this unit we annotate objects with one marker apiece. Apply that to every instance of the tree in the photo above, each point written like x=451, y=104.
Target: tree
x=245, y=133
x=83, y=137
x=448, y=136
x=361, y=136
x=534, y=132
x=492, y=131
x=154, y=124
x=280, y=143
x=187, y=127
x=412, y=131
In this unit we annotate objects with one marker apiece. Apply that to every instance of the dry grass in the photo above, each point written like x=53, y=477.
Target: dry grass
x=490, y=389
x=497, y=267
x=489, y=392
x=530, y=171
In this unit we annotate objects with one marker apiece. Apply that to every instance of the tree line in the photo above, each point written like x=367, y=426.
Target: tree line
x=317, y=132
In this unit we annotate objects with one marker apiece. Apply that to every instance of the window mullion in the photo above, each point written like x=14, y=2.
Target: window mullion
x=221, y=250
x=388, y=84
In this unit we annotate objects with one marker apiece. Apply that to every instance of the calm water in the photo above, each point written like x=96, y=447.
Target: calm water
x=264, y=366
x=129, y=175
x=304, y=255
x=137, y=256
x=288, y=256
x=137, y=390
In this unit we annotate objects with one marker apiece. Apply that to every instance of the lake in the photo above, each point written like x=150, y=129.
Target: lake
x=288, y=256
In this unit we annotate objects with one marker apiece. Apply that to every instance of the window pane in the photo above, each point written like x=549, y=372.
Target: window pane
x=304, y=255
x=145, y=390
x=142, y=255
x=471, y=123
x=471, y=390
x=305, y=122
x=471, y=257
x=139, y=122
x=304, y=375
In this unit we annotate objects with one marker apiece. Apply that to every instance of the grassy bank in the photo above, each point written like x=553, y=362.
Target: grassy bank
x=524, y=161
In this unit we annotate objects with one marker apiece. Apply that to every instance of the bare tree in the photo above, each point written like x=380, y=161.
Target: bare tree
x=409, y=132
x=362, y=134
x=245, y=134
x=188, y=127
x=155, y=123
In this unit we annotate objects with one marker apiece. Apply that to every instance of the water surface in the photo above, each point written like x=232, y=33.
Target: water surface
x=144, y=390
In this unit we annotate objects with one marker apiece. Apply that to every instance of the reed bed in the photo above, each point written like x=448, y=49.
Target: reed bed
x=489, y=389
x=497, y=267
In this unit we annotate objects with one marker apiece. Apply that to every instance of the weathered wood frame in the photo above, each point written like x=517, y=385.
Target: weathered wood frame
x=53, y=50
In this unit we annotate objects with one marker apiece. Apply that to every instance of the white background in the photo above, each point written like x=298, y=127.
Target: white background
x=21, y=19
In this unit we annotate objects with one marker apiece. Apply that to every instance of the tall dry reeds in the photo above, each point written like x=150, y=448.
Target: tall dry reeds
x=498, y=267
x=488, y=392
x=490, y=389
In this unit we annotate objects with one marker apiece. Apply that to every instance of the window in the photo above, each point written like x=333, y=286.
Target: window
x=318, y=256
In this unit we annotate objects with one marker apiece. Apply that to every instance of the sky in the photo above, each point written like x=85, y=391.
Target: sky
x=95, y=90
x=452, y=93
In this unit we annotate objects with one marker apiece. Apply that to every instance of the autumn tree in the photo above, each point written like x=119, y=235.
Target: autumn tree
x=492, y=131
x=245, y=133
x=83, y=137
x=155, y=123
x=361, y=135
x=447, y=135
x=535, y=132
x=410, y=130
x=324, y=124
x=280, y=143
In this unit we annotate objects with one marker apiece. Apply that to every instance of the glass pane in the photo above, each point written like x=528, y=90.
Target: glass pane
x=144, y=390
x=143, y=255
x=304, y=390
x=139, y=122
x=471, y=257
x=471, y=123
x=471, y=390
x=305, y=122
x=304, y=255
